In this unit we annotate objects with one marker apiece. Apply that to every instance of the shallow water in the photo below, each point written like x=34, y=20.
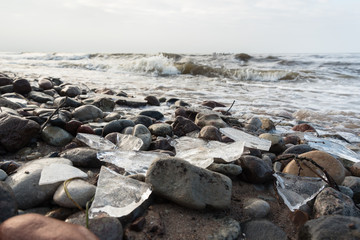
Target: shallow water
x=323, y=89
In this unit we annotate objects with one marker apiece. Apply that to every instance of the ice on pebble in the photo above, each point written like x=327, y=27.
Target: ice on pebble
x=331, y=147
x=202, y=153
x=117, y=195
x=95, y=141
x=250, y=140
x=128, y=142
x=133, y=162
x=296, y=190
x=57, y=172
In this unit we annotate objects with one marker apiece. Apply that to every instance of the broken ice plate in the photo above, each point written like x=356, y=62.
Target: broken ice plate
x=95, y=141
x=117, y=195
x=297, y=190
x=202, y=153
x=332, y=148
x=57, y=172
x=250, y=140
x=133, y=162
x=128, y=142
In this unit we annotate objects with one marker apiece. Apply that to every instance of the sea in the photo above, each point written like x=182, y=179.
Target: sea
x=320, y=89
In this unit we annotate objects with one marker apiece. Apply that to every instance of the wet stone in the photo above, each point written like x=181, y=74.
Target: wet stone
x=144, y=120
x=105, y=104
x=210, y=133
x=21, y=86
x=354, y=184
x=255, y=170
x=117, y=126
x=87, y=112
x=304, y=127
x=161, y=129
x=215, y=120
x=8, y=205
x=9, y=104
x=3, y=175
x=56, y=136
x=298, y=149
x=144, y=134
x=70, y=91
x=152, y=100
x=153, y=114
x=40, y=97
x=182, y=126
x=66, y=102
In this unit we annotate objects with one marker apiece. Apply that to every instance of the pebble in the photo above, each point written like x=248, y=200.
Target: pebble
x=56, y=136
x=144, y=120
x=70, y=91
x=87, y=112
x=161, y=129
x=153, y=114
x=117, y=126
x=3, y=175
x=255, y=170
x=210, y=133
x=227, y=228
x=226, y=169
x=298, y=149
x=8, y=205
x=215, y=120
x=45, y=84
x=82, y=157
x=263, y=229
x=181, y=126
x=256, y=208
x=152, y=100
x=144, y=134
x=354, y=184
x=21, y=86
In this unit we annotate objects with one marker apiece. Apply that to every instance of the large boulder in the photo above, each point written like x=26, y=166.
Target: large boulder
x=38, y=227
x=188, y=185
x=335, y=168
x=16, y=132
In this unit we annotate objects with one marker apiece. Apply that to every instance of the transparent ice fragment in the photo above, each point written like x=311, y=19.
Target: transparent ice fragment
x=128, y=142
x=57, y=172
x=117, y=195
x=250, y=140
x=133, y=162
x=95, y=141
x=297, y=190
x=202, y=153
x=332, y=148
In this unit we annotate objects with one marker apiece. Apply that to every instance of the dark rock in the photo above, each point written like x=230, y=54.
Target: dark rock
x=304, y=127
x=82, y=157
x=256, y=208
x=69, y=102
x=85, y=129
x=140, y=119
x=5, y=80
x=87, y=112
x=182, y=126
x=56, y=136
x=215, y=120
x=131, y=102
x=171, y=101
x=331, y=202
x=117, y=126
x=35, y=226
x=243, y=57
x=212, y=104
x=263, y=229
x=354, y=184
x=45, y=84
x=152, y=100
x=355, y=169
x=161, y=144
x=138, y=224
x=210, y=133
x=331, y=227
x=6, y=89
x=153, y=114
x=72, y=126
x=277, y=143
x=181, y=103
x=70, y=91
x=186, y=113
x=161, y=129
x=9, y=104
x=255, y=170
x=298, y=149
x=293, y=139
x=21, y=86
x=228, y=169
x=61, y=213
x=105, y=104
x=16, y=132
x=8, y=205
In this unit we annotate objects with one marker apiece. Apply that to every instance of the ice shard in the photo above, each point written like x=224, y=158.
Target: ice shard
x=117, y=195
x=296, y=190
x=331, y=147
x=250, y=140
x=59, y=172
x=95, y=141
x=128, y=142
x=202, y=153
x=133, y=162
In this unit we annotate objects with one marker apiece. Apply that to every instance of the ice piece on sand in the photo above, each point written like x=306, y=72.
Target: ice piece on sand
x=332, y=148
x=57, y=172
x=128, y=142
x=297, y=190
x=117, y=195
x=250, y=140
x=132, y=161
x=95, y=141
x=202, y=153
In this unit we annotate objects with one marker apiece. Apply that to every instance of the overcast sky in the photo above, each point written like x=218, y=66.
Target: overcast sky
x=183, y=26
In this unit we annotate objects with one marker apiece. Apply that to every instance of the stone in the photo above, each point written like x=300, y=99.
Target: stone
x=267, y=124
x=117, y=126
x=331, y=227
x=298, y=149
x=253, y=124
x=263, y=229
x=277, y=143
x=25, y=182
x=181, y=103
x=293, y=139
x=331, y=202
x=226, y=169
x=355, y=169
x=215, y=120
x=21, y=86
x=243, y=57
x=80, y=191
x=130, y=102
x=152, y=100
x=82, y=157
x=72, y=126
x=85, y=129
x=16, y=132
x=188, y=185
x=152, y=113
x=144, y=134
x=186, y=113
x=56, y=136
x=140, y=119
x=4, y=102
x=3, y=175
x=105, y=228
x=304, y=127
x=181, y=126
x=161, y=129
x=161, y=143
x=45, y=84
x=112, y=116
x=335, y=169
x=354, y=184
x=66, y=102
x=227, y=228
x=40, y=97
x=105, y=104
x=255, y=170
x=70, y=91
x=37, y=227
x=6, y=89
x=4, y=80
x=60, y=213
x=212, y=104
x=87, y=112
x=256, y=208
x=210, y=133
x=8, y=205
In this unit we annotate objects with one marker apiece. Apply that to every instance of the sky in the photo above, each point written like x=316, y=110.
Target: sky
x=183, y=26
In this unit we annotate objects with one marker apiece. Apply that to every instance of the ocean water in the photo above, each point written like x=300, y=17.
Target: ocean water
x=323, y=89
